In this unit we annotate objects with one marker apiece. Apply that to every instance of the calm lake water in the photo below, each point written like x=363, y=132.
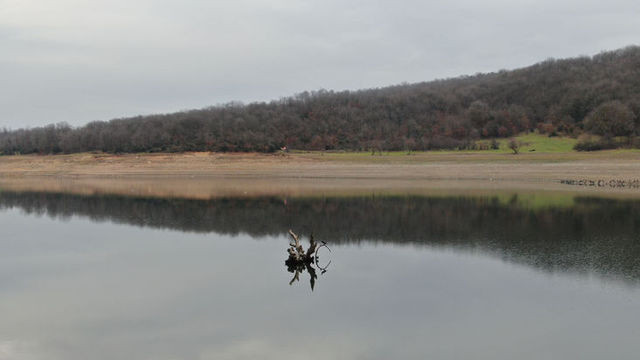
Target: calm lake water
x=505, y=276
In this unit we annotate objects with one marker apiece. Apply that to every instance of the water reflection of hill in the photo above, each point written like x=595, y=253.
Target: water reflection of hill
x=594, y=235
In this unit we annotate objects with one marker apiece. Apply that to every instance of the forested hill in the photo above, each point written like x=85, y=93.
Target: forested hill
x=599, y=94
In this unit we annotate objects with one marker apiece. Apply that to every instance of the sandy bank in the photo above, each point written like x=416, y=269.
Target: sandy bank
x=205, y=175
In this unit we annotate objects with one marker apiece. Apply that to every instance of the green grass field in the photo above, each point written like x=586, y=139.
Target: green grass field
x=535, y=148
x=539, y=143
x=531, y=142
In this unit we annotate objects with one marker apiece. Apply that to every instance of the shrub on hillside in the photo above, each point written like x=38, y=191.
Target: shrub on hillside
x=612, y=118
x=592, y=143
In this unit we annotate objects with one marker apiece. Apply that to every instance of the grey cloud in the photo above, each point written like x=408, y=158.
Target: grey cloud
x=78, y=61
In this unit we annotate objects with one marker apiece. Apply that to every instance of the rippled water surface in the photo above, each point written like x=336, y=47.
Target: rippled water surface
x=503, y=276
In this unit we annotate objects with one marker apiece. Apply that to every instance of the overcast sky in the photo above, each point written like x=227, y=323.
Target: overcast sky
x=80, y=60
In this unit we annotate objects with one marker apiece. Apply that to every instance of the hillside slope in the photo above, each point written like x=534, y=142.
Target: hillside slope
x=599, y=94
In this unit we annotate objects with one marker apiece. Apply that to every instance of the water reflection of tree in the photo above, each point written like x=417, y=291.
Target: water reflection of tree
x=300, y=259
x=585, y=235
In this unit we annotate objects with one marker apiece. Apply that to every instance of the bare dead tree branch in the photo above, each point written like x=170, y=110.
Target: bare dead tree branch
x=300, y=260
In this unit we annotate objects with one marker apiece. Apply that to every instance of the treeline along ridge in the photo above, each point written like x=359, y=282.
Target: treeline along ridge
x=597, y=95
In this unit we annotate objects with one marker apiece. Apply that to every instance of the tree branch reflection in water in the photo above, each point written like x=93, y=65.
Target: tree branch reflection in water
x=300, y=260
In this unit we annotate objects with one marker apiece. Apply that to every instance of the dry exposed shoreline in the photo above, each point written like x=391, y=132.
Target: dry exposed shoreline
x=206, y=175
